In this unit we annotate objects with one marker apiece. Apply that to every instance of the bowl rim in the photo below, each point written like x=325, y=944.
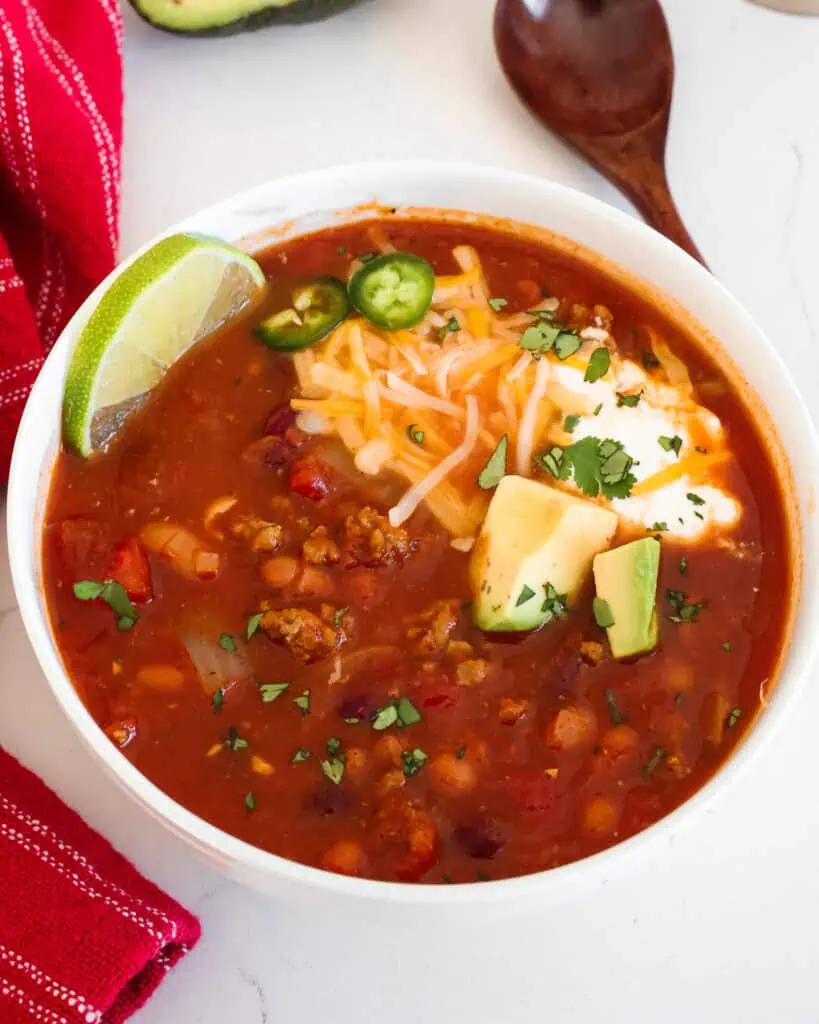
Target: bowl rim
x=246, y=860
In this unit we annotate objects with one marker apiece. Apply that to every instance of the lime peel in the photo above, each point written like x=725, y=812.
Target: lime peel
x=177, y=292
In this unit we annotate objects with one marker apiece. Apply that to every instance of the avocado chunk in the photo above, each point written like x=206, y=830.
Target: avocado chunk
x=223, y=17
x=626, y=581
x=536, y=544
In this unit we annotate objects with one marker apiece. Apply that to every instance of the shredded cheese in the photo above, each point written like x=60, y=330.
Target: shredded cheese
x=401, y=512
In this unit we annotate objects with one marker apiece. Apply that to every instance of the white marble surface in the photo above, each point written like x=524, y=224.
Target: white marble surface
x=723, y=929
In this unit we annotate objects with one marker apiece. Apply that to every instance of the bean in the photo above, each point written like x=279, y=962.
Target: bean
x=160, y=677
x=346, y=857
x=571, y=728
x=600, y=816
x=451, y=775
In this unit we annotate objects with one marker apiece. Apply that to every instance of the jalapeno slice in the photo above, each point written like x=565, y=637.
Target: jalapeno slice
x=319, y=305
x=393, y=291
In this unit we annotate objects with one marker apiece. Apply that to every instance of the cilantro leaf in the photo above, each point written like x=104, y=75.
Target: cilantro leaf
x=114, y=595
x=272, y=691
x=333, y=769
x=234, y=741
x=597, y=466
x=498, y=304
x=540, y=337
x=526, y=594
x=555, y=606
x=628, y=400
x=413, y=761
x=566, y=344
x=598, y=366
x=253, y=623
x=227, y=642
x=670, y=444
x=495, y=469
x=570, y=423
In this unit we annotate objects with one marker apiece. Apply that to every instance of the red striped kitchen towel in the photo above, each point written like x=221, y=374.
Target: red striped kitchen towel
x=83, y=937
x=60, y=141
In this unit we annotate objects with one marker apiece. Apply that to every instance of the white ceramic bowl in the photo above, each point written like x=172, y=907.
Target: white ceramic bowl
x=310, y=201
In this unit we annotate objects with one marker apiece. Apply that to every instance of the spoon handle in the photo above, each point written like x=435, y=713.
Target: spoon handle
x=636, y=165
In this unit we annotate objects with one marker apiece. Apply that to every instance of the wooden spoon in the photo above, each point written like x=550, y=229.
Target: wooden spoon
x=600, y=73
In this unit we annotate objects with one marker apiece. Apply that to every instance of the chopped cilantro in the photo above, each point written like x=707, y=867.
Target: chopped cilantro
x=234, y=741
x=401, y=712
x=727, y=647
x=540, y=337
x=678, y=699
x=670, y=444
x=460, y=754
x=272, y=691
x=341, y=250
x=566, y=344
x=649, y=360
x=303, y=703
x=554, y=606
x=628, y=400
x=699, y=515
x=114, y=595
x=333, y=769
x=603, y=615
x=683, y=565
x=408, y=714
x=542, y=314
x=333, y=745
x=598, y=465
x=227, y=642
x=616, y=716
x=659, y=527
x=598, y=409
x=338, y=618
x=570, y=423
x=385, y=717
x=300, y=755
x=498, y=304
x=415, y=434
x=250, y=801
x=413, y=761
x=598, y=366
x=217, y=700
x=482, y=876
x=449, y=327
x=733, y=717
x=695, y=499
x=351, y=721
x=654, y=762
x=683, y=611
x=526, y=594
x=253, y=623
x=495, y=469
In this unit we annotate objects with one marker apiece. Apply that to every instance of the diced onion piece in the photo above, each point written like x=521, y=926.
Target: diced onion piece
x=313, y=423
x=217, y=668
x=415, y=495
x=675, y=368
x=594, y=334
x=371, y=458
x=528, y=421
x=186, y=553
x=217, y=508
x=462, y=543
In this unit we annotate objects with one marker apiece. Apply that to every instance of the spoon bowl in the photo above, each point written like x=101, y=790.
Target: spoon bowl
x=600, y=73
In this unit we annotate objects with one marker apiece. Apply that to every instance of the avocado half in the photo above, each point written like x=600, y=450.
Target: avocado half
x=224, y=17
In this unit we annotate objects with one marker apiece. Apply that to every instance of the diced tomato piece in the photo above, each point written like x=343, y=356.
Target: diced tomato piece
x=541, y=795
x=130, y=567
x=84, y=547
x=308, y=479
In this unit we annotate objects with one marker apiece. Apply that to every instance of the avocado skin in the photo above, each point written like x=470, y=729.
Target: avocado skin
x=297, y=12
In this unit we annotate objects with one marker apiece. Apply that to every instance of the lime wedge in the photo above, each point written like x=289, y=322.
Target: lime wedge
x=176, y=293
